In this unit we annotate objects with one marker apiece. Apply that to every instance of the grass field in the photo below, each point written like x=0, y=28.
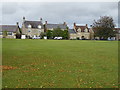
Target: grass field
x=59, y=64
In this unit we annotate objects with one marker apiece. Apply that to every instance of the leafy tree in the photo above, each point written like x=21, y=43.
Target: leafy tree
x=49, y=34
x=65, y=34
x=61, y=33
x=103, y=27
x=19, y=33
x=42, y=34
x=4, y=34
x=57, y=32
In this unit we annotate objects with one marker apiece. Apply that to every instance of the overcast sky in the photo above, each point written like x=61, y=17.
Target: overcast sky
x=58, y=12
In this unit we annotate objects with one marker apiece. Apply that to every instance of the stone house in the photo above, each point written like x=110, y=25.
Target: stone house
x=117, y=30
x=49, y=26
x=9, y=31
x=32, y=28
x=81, y=32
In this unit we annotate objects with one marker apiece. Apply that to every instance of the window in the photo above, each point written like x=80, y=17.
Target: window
x=9, y=33
x=29, y=26
x=39, y=26
x=28, y=30
x=1, y=33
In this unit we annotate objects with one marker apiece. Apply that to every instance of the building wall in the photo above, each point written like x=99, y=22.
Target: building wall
x=31, y=31
x=9, y=36
x=117, y=36
x=79, y=35
x=73, y=36
x=85, y=34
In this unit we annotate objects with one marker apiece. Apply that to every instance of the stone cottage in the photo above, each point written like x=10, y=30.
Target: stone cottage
x=9, y=31
x=32, y=28
x=81, y=32
x=117, y=30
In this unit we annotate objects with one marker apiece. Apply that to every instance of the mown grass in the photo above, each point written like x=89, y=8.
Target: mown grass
x=60, y=64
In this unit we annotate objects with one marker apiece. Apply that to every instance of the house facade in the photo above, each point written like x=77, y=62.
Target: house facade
x=9, y=31
x=117, y=30
x=32, y=28
x=81, y=32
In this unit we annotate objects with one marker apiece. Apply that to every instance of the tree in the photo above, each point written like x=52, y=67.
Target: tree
x=4, y=34
x=19, y=33
x=103, y=27
x=57, y=32
x=65, y=34
x=49, y=34
x=42, y=34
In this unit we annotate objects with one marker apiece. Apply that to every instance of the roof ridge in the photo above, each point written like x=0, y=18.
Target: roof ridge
x=8, y=25
x=33, y=21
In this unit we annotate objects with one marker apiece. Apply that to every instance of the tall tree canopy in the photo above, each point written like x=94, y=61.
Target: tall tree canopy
x=103, y=27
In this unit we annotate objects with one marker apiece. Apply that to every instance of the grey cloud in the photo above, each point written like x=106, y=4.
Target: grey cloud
x=55, y=12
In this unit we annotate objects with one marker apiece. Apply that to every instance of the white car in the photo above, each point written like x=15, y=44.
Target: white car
x=35, y=37
x=58, y=38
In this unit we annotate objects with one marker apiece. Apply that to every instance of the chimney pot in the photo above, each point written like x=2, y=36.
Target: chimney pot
x=46, y=22
x=17, y=23
x=40, y=19
x=23, y=18
x=64, y=23
x=74, y=24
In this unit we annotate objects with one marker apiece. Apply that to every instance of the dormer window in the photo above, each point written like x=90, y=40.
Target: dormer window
x=79, y=30
x=39, y=26
x=29, y=26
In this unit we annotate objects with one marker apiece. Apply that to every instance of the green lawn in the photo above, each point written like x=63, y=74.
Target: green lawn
x=59, y=64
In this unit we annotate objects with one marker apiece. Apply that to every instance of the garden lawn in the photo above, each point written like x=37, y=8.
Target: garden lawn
x=59, y=64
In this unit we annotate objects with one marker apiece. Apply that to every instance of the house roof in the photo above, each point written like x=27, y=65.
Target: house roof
x=116, y=28
x=71, y=31
x=52, y=26
x=34, y=24
x=8, y=28
x=81, y=27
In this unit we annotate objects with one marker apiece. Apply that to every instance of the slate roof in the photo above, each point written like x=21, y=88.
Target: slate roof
x=8, y=28
x=81, y=27
x=71, y=31
x=34, y=24
x=53, y=26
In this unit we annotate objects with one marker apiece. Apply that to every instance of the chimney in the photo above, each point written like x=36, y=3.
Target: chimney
x=64, y=23
x=46, y=22
x=23, y=19
x=86, y=25
x=74, y=24
x=17, y=23
x=41, y=19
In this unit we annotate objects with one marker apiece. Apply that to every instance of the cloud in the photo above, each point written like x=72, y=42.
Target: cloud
x=54, y=12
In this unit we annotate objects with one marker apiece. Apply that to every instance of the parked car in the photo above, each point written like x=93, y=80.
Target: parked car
x=34, y=37
x=58, y=38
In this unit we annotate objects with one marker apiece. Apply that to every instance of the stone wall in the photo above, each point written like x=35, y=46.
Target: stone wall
x=31, y=31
